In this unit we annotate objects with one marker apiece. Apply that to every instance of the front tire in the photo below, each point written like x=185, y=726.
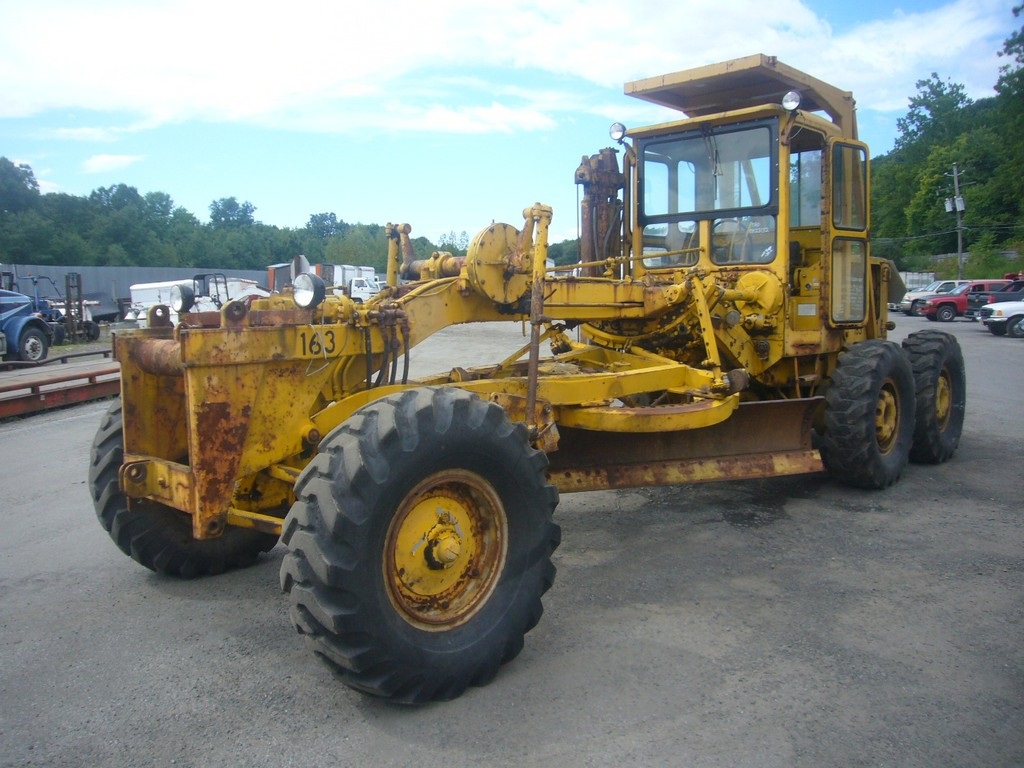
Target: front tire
x=420, y=545
x=945, y=314
x=940, y=384
x=1015, y=327
x=158, y=537
x=33, y=345
x=869, y=415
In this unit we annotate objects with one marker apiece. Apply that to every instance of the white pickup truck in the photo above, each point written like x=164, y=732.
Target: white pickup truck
x=1005, y=318
x=362, y=289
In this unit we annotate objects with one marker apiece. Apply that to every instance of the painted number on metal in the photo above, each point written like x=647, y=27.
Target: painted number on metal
x=316, y=343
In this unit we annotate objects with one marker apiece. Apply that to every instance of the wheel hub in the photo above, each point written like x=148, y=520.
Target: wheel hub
x=943, y=399
x=443, y=545
x=886, y=418
x=445, y=549
x=33, y=349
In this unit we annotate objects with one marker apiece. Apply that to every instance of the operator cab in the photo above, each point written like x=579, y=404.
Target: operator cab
x=709, y=185
x=747, y=184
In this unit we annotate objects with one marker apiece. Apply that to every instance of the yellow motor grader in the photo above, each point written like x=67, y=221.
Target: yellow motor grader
x=726, y=320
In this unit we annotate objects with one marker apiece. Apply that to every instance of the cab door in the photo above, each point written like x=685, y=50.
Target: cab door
x=846, y=225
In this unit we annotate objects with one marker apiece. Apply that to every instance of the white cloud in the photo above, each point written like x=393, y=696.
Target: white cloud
x=880, y=61
x=104, y=163
x=48, y=187
x=96, y=134
x=410, y=65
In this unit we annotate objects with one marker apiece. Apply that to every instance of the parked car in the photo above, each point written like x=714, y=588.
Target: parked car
x=1004, y=318
x=939, y=286
x=1014, y=291
x=948, y=306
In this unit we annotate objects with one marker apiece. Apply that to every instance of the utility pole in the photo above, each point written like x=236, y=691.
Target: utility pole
x=956, y=205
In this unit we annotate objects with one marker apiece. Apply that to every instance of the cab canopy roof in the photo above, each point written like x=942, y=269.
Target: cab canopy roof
x=750, y=81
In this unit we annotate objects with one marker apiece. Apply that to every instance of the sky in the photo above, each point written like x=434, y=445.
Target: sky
x=447, y=115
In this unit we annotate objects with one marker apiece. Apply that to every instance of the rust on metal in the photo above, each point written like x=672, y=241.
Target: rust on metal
x=159, y=316
x=161, y=357
x=676, y=471
x=761, y=439
x=223, y=431
x=445, y=549
x=539, y=416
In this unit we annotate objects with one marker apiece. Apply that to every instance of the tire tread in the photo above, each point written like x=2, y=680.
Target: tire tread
x=326, y=580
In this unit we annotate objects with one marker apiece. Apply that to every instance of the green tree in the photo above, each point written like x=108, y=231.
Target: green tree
x=454, y=243
x=71, y=212
x=362, y=244
x=123, y=221
x=228, y=213
x=564, y=253
x=986, y=141
x=116, y=256
x=1011, y=75
x=118, y=198
x=1009, y=178
x=19, y=190
x=937, y=115
x=325, y=226
x=26, y=237
x=70, y=248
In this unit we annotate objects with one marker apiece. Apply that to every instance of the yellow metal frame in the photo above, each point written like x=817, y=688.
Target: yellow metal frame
x=222, y=412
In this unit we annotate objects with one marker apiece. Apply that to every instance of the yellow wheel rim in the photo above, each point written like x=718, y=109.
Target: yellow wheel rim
x=445, y=550
x=943, y=399
x=887, y=417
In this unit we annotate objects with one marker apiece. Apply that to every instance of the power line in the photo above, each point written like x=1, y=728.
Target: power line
x=974, y=228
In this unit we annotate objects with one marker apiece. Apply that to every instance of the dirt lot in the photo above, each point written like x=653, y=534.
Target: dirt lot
x=791, y=622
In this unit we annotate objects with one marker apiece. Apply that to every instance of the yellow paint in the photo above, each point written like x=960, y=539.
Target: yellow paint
x=222, y=413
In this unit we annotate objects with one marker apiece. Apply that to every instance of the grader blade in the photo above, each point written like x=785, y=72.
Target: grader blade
x=761, y=439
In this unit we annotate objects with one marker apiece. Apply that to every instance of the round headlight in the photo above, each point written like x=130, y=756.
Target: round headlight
x=791, y=100
x=617, y=131
x=309, y=290
x=183, y=298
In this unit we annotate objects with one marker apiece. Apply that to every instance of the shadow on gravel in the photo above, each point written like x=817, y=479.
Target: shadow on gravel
x=740, y=503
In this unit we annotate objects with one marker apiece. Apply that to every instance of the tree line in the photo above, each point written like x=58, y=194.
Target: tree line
x=943, y=134
x=118, y=226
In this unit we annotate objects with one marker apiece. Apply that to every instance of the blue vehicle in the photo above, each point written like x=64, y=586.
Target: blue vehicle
x=24, y=335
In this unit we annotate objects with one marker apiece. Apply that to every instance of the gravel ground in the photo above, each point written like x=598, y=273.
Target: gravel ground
x=788, y=622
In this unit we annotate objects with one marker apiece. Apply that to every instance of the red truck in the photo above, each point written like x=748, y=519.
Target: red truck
x=947, y=306
x=1013, y=291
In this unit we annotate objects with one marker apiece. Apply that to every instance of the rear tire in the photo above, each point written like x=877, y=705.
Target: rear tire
x=940, y=384
x=869, y=415
x=420, y=545
x=156, y=536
